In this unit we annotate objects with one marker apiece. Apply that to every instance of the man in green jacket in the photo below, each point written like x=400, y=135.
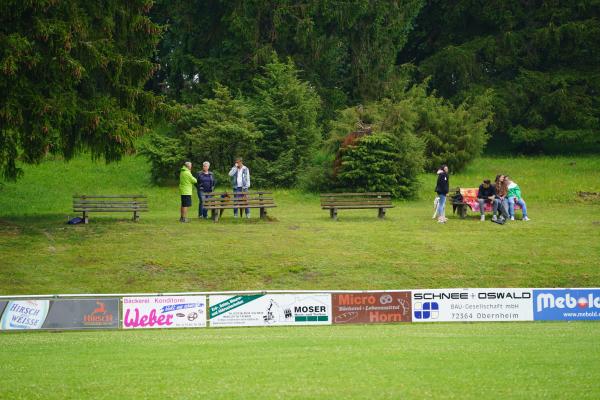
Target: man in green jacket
x=186, y=184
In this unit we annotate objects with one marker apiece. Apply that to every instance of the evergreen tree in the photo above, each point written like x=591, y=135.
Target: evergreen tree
x=540, y=58
x=71, y=78
x=285, y=110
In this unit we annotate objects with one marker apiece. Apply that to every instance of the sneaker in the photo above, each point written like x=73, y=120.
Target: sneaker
x=512, y=218
x=494, y=218
x=247, y=216
x=441, y=221
x=525, y=218
x=482, y=218
x=235, y=215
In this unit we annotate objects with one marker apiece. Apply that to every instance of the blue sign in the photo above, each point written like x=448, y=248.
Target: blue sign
x=566, y=304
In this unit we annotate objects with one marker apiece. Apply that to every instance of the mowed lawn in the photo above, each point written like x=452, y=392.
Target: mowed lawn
x=440, y=361
x=300, y=247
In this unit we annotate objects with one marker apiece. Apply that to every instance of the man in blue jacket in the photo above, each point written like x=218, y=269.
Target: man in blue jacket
x=240, y=181
x=206, y=184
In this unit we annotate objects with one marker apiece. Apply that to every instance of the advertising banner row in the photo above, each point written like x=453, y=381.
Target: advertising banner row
x=436, y=305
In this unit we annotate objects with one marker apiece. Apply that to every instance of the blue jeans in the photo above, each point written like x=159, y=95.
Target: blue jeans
x=202, y=212
x=511, y=206
x=239, y=196
x=441, y=205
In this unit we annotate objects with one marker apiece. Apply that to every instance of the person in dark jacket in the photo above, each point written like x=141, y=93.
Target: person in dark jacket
x=206, y=184
x=487, y=194
x=442, y=188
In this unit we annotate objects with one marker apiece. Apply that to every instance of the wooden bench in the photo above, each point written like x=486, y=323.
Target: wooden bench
x=110, y=203
x=354, y=201
x=217, y=202
x=469, y=201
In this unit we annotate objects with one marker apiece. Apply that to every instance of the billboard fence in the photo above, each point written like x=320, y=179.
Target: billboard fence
x=295, y=307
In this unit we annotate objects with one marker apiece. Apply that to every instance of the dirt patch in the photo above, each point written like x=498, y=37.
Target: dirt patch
x=153, y=268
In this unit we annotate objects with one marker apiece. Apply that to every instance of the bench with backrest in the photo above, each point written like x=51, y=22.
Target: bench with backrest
x=355, y=201
x=110, y=203
x=468, y=200
x=217, y=202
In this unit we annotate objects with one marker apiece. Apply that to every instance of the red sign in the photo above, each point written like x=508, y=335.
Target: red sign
x=369, y=308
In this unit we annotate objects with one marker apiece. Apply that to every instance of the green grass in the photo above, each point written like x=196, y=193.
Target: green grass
x=466, y=361
x=301, y=248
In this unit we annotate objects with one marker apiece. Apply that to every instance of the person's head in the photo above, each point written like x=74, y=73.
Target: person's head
x=507, y=179
x=486, y=183
x=188, y=165
x=444, y=168
x=205, y=166
x=239, y=162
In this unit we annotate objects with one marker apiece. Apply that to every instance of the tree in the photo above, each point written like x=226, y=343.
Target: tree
x=345, y=49
x=540, y=58
x=71, y=78
x=285, y=110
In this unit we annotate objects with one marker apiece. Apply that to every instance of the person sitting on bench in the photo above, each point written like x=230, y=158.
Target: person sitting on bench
x=487, y=194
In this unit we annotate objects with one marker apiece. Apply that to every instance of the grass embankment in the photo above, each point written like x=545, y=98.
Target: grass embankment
x=301, y=248
x=493, y=360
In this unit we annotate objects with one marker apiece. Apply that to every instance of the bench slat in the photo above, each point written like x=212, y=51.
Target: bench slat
x=354, y=207
x=356, y=194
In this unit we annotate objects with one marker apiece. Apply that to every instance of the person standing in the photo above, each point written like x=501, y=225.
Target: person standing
x=186, y=185
x=487, y=194
x=441, y=188
x=206, y=184
x=514, y=197
x=240, y=180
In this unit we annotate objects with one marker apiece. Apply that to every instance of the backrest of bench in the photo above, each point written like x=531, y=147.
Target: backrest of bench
x=367, y=198
x=116, y=202
x=238, y=200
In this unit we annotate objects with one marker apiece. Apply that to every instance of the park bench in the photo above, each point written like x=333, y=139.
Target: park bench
x=464, y=199
x=354, y=201
x=110, y=203
x=217, y=202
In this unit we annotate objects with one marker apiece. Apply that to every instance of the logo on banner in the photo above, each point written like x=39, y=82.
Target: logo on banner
x=426, y=310
x=371, y=307
x=164, y=312
x=24, y=314
x=565, y=304
x=99, y=316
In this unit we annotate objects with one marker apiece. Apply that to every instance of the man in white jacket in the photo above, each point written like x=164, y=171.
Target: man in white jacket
x=240, y=181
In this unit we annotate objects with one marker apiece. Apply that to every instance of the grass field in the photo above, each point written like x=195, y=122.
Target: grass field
x=301, y=248
x=440, y=361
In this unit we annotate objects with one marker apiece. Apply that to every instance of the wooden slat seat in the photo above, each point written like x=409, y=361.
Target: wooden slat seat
x=355, y=201
x=86, y=204
x=217, y=202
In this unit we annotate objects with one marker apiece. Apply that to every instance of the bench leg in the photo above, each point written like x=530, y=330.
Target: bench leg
x=263, y=213
x=85, y=218
x=462, y=211
x=381, y=213
x=215, y=216
x=136, y=217
x=333, y=213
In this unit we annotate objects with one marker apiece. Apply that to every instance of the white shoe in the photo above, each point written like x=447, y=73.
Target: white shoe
x=247, y=216
x=525, y=218
x=494, y=218
x=512, y=218
x=482, y=218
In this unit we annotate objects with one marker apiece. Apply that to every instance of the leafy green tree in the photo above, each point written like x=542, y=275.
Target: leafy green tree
x=72, y=77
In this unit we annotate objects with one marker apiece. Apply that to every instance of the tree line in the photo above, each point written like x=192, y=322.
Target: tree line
x=322, y=94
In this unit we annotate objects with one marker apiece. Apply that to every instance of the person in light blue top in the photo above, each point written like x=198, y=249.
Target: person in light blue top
x=240, y=181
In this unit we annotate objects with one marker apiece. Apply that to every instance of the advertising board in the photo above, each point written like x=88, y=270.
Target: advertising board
x=566, y=304
x=270, y=309
x=371, y=307
x=448, y=305
x=60, y=314
x=164, y=312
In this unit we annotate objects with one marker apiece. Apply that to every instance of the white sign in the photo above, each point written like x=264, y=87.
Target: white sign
x=164, y=312
x=24, y=314
x=270, y=309
x=472, y=305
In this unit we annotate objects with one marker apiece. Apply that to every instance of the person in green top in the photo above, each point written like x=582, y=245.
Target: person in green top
x=514, y=197
x=186, y=184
